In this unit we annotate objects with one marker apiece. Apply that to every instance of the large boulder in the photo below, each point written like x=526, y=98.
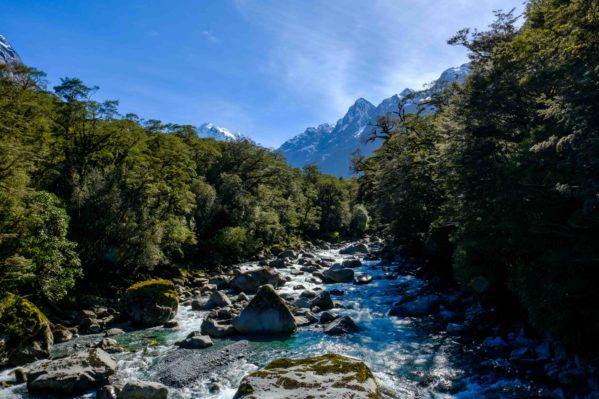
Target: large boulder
x=418, y=307
x=214, y=329
x=78, y=372
x=354, y=249
x=267, y=313
x=143, y=390
x=328, y=376
x=151, y=302
x=195, y=340
x=249, y=282
x=25, y=332
x=338, y=274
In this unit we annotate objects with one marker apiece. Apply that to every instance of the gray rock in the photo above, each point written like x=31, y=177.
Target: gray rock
x=143, y=390
x=214, y=329
x=220, y=299
x=184, y=367
x=289, y=254
x=308, y=294
x=327, y=317
x=266, y=313
x=278, y=263
x=113, y=332
x=323, y=301
x=340, y=326
x=249, y=282
x=351, y=263
x=338, y=274
x=195, y=340
x=354, y=249
x=107, y=392
x=61, y=334
x=78, y=372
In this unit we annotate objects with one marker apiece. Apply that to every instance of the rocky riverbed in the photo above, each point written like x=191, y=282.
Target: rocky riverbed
x=420, y=340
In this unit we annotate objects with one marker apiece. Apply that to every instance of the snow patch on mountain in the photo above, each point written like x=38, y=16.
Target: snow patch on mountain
x=211, y=131
x=8, y=54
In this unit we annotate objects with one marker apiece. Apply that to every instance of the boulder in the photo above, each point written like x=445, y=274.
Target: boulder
x=195, y=340
x=354, y=249
x=323, y=301
x=249, y=282
x=214, y=329
x=61, y=334
x=351, y=263
x=289, y=254
x=78, y=372
x=338, y=274
x=25, y=332
x=266, y=313
x=110, y=345
x=220, y=299
x=143, y=390
x=340, y=326
x=151, y=302
x=113, y=332
x=362, y=279
x=328, y=376
x=278, y=263
x=202, y=303
x=327, y=317
x=418, y=307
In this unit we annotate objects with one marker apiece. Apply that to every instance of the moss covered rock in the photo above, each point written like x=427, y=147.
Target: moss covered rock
x=327, y=376
x=151, y=302
x=25, y=333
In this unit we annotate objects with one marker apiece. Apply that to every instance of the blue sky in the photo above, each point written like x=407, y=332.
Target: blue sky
x=266, y=68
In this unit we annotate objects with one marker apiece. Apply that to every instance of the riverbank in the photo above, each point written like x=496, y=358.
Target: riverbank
x=418, y=338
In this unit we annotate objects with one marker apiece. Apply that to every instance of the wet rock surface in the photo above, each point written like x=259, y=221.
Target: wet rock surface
x=184, y=367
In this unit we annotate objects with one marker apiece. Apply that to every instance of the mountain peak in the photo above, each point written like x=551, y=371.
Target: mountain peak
x=211, y=131
x=8, y=55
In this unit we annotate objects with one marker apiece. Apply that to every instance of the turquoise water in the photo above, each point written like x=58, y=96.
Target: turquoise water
x=408, y=360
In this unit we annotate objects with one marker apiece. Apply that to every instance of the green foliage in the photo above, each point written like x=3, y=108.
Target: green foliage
x=511, y=160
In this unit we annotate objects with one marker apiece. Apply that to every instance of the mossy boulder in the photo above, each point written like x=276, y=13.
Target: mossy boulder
x=320, y=377
x=267, y=313
x=25, y=332
x=151, y=302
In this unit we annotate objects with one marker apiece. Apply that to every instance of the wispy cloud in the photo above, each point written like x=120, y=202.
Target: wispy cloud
x=210, y=37
x=336, y=51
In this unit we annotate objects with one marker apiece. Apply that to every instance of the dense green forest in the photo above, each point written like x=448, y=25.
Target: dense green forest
x=508, y=168
x=88, y=195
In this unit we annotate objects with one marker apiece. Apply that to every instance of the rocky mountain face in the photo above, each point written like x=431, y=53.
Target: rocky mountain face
x=210, y=131
x=331, y=147
x=8, y=55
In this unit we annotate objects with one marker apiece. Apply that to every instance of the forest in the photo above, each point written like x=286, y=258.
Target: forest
x=505, y=173
x=507, y=170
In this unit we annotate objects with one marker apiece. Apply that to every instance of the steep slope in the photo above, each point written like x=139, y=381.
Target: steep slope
x=8, y=55
x=330, y=147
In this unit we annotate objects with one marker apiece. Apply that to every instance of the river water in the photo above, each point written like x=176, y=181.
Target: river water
x=408, y=359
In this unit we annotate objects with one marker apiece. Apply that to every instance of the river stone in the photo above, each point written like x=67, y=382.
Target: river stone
x=184, y=367
x=143, y=390
x=323, y=301
x=249, y=282
x=327, y=317
x=421, y=306
x=351, y=263
x=340, y=326
x=151, y=302
x=195, y=340
x=78, y=372
x=220, y=299
x=214, y=329
x=61, y=334
x=289, y=254
x=338, y=274
x=266, y=313
x=25, y=333
x=328, y=376
x=354, y=249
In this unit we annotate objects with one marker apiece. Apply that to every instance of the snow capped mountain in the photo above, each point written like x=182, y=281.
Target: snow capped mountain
x=330, y=147
x=210, y=131
x=8, y=55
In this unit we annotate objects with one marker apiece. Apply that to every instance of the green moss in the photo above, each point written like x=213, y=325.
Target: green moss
x=20, y=319
x=327, y=364
x=163, y=291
